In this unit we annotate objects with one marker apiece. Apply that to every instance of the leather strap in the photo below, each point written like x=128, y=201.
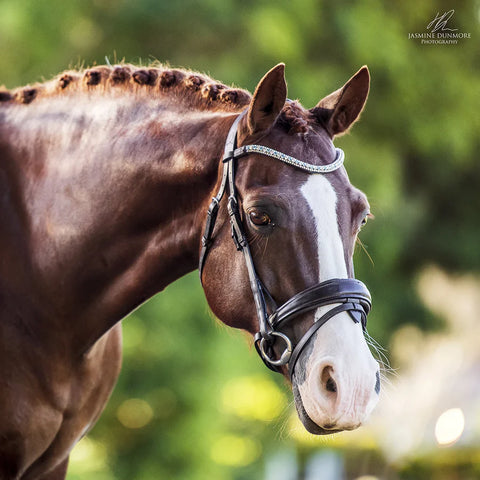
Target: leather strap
x=341, y=290
x=227, y=175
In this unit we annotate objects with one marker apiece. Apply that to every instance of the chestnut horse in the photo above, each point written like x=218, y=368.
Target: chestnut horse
x=106, y=176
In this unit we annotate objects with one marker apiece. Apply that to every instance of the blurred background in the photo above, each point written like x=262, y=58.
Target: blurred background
x=194, y=401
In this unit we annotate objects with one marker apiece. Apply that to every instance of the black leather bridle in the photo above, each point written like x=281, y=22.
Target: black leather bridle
x=343, y=294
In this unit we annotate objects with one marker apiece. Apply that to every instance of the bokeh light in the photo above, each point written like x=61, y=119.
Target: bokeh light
x=134, y=413
x=235, y=451
x=449, y=427
x=88, y=456
x=255, y=397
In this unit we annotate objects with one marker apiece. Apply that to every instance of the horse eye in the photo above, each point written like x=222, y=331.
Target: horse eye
x=259, y=218
x=365, y=219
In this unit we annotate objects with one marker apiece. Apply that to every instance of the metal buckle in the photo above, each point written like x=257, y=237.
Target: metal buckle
x=213, y=207
x=287, y=353
x=236, y=223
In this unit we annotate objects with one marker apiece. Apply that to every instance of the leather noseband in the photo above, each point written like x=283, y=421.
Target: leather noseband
x=343, y=294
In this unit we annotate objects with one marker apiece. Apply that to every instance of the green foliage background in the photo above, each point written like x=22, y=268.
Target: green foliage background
x=414, y=153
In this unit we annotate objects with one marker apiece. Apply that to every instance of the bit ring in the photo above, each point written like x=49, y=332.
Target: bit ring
x=287, y=353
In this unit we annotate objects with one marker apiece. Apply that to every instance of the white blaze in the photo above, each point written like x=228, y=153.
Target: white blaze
x=322, y=200
x=339, y=350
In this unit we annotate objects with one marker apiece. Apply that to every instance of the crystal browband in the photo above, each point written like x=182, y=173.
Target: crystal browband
x=283, y=157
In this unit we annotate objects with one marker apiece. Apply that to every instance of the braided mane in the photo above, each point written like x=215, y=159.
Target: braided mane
x=194, y=90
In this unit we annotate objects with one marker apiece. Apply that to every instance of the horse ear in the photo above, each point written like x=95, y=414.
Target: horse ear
x=339, y=110
x=268, y=100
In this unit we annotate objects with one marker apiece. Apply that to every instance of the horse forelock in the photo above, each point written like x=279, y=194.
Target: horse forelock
x=294, y=118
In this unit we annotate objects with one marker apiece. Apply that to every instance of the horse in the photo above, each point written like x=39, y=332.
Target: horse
x=106, y=183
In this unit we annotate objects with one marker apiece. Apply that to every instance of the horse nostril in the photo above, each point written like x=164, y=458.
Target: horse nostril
x=331, y=386
x=377, y=384
x=327, y=379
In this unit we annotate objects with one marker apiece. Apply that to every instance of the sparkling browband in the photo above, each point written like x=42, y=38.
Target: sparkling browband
x=283, y=157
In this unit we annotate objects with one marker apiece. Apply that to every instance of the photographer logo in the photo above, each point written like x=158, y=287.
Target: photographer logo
x=440, y=31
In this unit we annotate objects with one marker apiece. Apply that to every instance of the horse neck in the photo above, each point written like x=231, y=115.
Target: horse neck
x=113, y=203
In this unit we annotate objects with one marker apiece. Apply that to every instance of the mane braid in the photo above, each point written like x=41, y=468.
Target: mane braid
x=295, y=119
x=194, y=90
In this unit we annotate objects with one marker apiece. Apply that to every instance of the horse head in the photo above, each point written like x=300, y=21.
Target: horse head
x=296, y=220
